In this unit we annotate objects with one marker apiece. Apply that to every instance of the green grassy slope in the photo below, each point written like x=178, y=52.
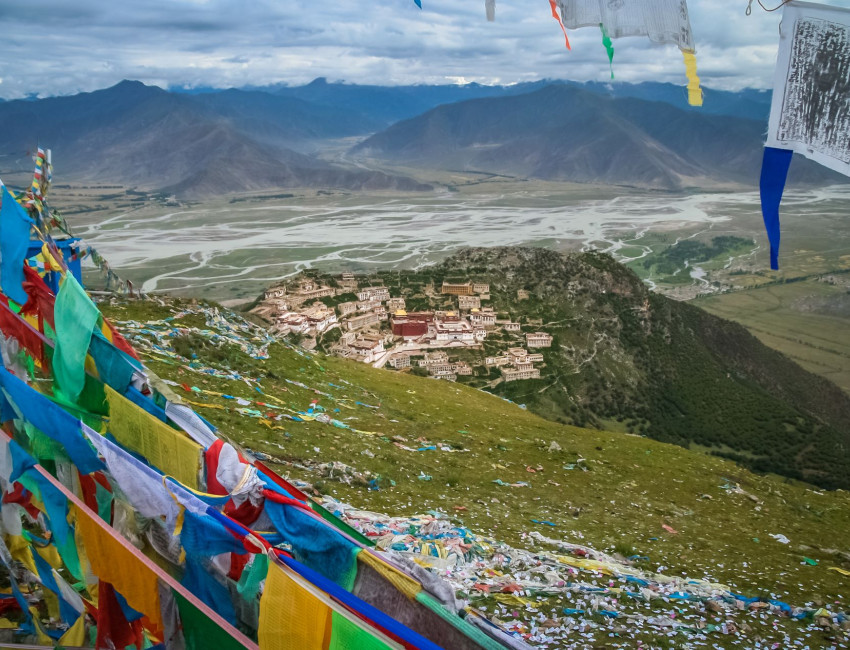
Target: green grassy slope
x=633, y=485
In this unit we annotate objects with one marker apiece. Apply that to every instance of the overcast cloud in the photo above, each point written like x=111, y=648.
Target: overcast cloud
x=56, y=47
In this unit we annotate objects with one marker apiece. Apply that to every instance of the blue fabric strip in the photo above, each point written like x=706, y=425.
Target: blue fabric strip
x=313, y=542
x=350, y=600
x=15, y=226
x=208, y=590
x=113, y=366
x=206, y=537
x=52, y=421
x=45, y=574
x=774, y=173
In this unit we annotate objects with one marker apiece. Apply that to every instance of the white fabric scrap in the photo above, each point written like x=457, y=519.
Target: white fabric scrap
x=662, y=21
x=189, y=421
x=810, y=111
x=239, y=479
x=141, y=485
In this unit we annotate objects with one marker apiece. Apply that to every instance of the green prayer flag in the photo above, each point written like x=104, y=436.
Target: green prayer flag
x=104, y=502
x=75, y=317
x=249, y=583
x=199, y=632
x=346, y=635
x=609, y=47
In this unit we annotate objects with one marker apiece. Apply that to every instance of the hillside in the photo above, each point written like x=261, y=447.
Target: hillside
x=566, y=133
x=626, y=359
x=195, y=146
x=605, y=492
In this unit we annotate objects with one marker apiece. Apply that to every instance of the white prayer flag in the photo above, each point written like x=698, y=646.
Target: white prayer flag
x=810, y=112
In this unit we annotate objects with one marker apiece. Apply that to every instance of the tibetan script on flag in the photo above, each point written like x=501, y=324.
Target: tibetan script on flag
x=810, y=113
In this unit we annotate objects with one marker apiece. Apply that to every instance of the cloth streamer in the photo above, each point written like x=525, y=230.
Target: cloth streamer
x=609, y=48
x=694, y=90
x=198, y=581
x=291, y=618
x=554, y=7
x=75, y=316
x=406, y=636
x=15, y=226
x=490, y=9
x=165, y=448
x=662, y=21
x=315, y=543
x=774, y=172
x=141, y=485
x=112, y=561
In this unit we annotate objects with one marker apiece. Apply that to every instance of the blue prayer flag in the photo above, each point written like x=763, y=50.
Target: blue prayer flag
x=15, y=226
x=774, y=172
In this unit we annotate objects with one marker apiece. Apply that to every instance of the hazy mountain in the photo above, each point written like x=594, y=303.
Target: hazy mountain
x=196, y=145
x=393, y=103
x=566, y=133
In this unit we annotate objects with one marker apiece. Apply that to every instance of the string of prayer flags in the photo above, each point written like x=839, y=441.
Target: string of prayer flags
x=662, y=21
x=810, y=109
x=141, y=488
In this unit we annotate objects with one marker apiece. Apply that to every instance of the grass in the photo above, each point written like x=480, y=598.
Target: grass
x=786, y=317
x=633, y=487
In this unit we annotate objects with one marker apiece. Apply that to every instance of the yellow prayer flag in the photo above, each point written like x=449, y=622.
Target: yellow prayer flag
x=401, y=581
x=291, y=618
x=694, y=91
x=169, y=450
x=112, y=561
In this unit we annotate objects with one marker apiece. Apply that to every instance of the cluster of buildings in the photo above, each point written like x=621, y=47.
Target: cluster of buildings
x=372, y=325
x=516, y=364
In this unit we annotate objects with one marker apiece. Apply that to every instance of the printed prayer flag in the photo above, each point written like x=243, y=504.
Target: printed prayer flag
x=810, y=111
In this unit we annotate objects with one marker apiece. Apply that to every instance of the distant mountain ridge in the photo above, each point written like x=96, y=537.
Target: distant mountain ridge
x=196, y=146
x=567, y=133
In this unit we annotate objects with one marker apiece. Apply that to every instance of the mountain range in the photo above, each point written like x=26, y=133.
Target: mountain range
x=568, y=133
x=194, y=146
x=207, y=142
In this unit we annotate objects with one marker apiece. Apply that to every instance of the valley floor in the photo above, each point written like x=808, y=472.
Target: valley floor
x=808, y=321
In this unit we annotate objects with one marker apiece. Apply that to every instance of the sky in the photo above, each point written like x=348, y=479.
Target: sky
x=61, y=47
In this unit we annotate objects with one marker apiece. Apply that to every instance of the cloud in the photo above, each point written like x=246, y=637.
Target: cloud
x=92, y=44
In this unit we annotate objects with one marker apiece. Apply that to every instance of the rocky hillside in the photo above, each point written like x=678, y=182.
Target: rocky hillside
x=625, y=358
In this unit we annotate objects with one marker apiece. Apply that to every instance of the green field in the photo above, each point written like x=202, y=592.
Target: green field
x=808, y=321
